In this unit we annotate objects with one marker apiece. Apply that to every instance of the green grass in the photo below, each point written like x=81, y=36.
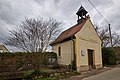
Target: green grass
x=27, y=72
x=48, y=78
x=45, y=76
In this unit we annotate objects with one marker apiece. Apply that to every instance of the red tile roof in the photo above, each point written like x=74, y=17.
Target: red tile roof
x=69, y=32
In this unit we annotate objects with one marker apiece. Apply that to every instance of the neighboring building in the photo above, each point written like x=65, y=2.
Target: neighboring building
x=3, y=49
x=79, y=44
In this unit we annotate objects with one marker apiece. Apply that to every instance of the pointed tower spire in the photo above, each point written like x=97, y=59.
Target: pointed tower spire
x=81, y=13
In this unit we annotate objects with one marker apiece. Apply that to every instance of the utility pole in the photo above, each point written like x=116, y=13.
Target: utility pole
x=110, y=35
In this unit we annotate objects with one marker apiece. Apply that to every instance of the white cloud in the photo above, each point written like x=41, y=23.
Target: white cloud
x=12, y=12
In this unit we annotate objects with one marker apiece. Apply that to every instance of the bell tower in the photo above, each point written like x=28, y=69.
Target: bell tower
x=81, y=13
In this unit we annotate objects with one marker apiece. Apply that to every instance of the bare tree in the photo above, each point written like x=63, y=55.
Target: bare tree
x=105, y=37
x=116, y=39
x=34, y=35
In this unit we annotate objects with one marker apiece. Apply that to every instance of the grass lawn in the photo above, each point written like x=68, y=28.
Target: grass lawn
x=48, y=78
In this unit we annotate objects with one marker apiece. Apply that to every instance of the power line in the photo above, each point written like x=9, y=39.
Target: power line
x=105, y=20
x=99, y=12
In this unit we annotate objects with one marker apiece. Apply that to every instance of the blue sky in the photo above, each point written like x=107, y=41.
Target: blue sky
x=12, y=12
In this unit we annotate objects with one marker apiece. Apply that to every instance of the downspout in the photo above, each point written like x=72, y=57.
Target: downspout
x=74, y=56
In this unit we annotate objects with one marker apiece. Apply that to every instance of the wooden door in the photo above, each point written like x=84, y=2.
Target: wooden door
x=90, y=58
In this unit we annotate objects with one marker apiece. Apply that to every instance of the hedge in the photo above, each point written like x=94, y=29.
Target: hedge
x=10, y=62
x=108, y=56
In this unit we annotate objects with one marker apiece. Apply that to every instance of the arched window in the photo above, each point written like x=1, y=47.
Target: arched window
x=59, y=51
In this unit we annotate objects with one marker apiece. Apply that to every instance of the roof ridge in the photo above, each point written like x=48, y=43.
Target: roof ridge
x=76, y=24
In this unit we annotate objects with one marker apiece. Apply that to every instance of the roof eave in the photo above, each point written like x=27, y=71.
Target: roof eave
x=64, y=40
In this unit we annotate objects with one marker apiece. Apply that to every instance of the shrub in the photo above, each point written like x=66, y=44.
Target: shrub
x=108, y=56
x=72, y=66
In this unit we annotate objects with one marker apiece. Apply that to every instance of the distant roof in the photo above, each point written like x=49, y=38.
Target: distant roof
x=4, y=47
x=69, y=32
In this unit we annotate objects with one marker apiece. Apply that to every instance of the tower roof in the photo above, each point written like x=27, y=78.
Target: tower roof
x=81, y=11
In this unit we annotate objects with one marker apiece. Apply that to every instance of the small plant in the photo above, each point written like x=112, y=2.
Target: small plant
x=72, y=66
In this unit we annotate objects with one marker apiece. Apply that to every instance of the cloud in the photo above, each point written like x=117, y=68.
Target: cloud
x=12, y=12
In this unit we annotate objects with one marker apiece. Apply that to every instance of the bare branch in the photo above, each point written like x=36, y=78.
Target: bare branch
x=34, y=35
x=105, y=37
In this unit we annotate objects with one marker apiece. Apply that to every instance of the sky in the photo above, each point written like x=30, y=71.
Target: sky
x=12, y=12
